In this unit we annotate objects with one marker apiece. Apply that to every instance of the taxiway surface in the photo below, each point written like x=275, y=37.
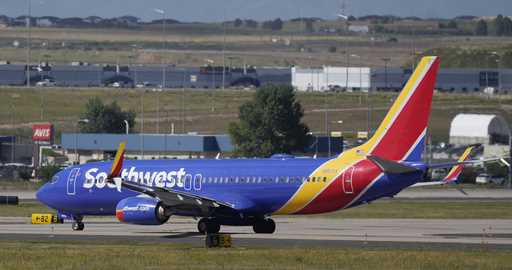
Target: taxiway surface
x=291, y=232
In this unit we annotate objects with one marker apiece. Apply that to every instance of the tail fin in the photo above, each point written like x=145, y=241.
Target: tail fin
x=401, y=135
x=117, y=164
x=456, y=170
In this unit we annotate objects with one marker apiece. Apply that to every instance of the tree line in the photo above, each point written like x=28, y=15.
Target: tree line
x=502, y=26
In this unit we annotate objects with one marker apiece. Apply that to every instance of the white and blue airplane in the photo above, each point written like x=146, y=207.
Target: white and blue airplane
x=248, y=192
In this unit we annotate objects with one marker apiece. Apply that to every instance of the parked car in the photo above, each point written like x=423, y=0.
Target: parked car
x=438, y=174
x=45, y=83
x=483, y=178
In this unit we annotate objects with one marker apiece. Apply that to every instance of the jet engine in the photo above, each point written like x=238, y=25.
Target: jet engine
x=141, y=211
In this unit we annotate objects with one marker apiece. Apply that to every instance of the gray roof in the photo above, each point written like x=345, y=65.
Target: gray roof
x=150, y=142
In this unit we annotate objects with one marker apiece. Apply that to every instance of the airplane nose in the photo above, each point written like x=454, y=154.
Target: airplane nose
x=42, y=194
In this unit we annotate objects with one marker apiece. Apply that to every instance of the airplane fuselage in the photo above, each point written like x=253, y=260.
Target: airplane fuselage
x=255, y=186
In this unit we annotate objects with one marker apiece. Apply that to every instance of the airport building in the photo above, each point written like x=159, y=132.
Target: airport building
x=81, y=147
x=492, y=131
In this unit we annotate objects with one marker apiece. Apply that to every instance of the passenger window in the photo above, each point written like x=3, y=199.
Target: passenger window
x=325, y=179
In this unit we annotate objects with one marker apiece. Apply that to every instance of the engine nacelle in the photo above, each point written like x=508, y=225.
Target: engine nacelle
x=141, y=211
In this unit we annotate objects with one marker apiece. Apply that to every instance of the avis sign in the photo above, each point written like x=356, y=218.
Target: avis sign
x=42, y=133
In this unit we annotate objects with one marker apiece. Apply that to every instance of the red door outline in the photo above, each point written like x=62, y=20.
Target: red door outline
x=348, y=186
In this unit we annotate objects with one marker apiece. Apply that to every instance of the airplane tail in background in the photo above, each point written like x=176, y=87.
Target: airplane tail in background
x=454, y=173
x=401, y=135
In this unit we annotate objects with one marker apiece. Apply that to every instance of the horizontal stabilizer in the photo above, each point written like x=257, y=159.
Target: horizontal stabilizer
x=392, y=167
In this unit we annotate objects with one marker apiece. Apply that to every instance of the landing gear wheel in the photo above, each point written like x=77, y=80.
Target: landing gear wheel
x=78, y=226
x=264, y=226
x=206, y=226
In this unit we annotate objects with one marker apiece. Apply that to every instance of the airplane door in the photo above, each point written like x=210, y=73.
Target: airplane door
x=348, y=186
x=197, y=181
x=188, y=182
x=71, y=184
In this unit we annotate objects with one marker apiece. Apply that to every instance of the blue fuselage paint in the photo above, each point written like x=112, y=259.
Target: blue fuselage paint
x=256, y=186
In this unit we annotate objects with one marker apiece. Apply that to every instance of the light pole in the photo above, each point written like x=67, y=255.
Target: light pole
x=224, y=51
x=183, y=103
x=162, y=12
x=29, y=39
x=329, y=135
x=141, y=136
x=81, y=121
x=360, y=71
x=498, y=62
x=127, y=125
x=509, y=184
x=210, y=61
x=386, y=60
x=13, y=137
x=367, y=93
x=316, y=142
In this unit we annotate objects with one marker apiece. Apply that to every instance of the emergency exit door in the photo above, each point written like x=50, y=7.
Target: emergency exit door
x=348, y=186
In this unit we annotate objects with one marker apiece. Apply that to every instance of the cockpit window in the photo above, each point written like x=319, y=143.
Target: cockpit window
x=54, y=180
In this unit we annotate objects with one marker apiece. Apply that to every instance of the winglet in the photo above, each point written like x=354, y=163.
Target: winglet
x=117, y=165
x=456, y=170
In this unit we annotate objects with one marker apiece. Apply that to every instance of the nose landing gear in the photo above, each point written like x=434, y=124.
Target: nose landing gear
x=78, y=225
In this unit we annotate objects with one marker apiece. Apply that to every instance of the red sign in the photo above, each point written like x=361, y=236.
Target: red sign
x=42, y=133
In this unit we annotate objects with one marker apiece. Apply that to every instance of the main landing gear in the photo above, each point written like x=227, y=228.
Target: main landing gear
x=208, y=225
x=264, y=226
x=212, y=225
x=78, y=225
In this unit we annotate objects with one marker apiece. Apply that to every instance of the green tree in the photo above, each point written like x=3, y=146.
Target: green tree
x=47, y=172
x=269, y=124
x=238, y=22
x=107, y=118
x=274, y=25
x=310, y=26
x=452, y=24
x=507, y=26
x=481, y=28
x=251, y=23
x=499, y=25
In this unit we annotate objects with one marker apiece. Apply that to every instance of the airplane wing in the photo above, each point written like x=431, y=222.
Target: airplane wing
x=176, y=200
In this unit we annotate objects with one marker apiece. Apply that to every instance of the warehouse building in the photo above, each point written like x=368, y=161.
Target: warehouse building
x=79, y=147
x=478, y=128
x=492, y=131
